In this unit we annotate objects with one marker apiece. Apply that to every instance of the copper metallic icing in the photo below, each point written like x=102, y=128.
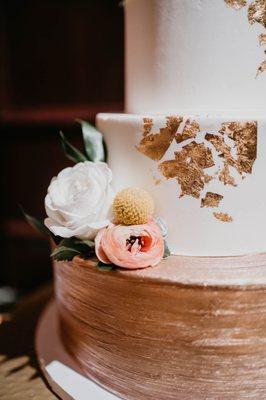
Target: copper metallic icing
x=155, y=145
x=236, y=4
x=190, y=131
x=211, y=200
x=191, y=328
x=224, y=217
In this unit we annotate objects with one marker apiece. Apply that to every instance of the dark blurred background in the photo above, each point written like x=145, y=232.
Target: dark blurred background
x=59, y=60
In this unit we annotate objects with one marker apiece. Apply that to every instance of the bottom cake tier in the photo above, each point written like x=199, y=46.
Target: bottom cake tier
x=190, y=328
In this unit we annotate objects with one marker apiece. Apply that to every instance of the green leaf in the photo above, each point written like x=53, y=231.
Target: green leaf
x=63, y=253
x=39, y=226
x=36, y=224
x=88, y=243
x=106, y=267
x=93, y=142
x=167, y=252
x=70, y=151
x=78, y=244
x=70, y=247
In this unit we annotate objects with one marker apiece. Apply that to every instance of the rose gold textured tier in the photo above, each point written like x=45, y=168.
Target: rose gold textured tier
x=190, y=328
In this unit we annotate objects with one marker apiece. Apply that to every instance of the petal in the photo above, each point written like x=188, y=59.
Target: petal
x=98, y=247
x=57, y=230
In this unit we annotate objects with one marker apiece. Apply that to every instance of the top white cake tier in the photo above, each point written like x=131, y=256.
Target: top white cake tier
x=195, y=55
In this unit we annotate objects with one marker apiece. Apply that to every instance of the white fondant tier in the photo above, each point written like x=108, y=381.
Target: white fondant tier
x=205, y=173
x=191, y=54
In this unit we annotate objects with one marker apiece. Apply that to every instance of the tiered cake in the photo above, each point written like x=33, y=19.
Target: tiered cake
x=194, y=327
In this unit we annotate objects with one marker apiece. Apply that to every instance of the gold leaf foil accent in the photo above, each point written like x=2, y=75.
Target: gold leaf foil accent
x=224, y=217
x=225, y=176
x=147, y=126
x=236, y=4
x=262, y=39
x=169, y=168
x=189, y=177
x=156, y=181
x=261, y=68
x=208, y=178
x=235, y=143
x=244, y=134
x=190, y=131
x=196, y=153
x=188, y=168
x=222, y=148
x=257, y=12
x=211, y=200
x=155, y=145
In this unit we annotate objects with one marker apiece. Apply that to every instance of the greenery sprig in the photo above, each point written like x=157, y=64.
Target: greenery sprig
x=69, y=248
x=95, y=149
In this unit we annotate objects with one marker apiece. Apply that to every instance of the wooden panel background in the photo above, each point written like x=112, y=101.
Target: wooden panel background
x=60, y=60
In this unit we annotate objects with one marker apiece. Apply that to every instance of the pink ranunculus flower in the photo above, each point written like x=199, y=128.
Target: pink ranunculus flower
x=132, y=247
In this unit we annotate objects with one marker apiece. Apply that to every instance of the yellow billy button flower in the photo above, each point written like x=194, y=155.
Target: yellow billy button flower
x=133, y=206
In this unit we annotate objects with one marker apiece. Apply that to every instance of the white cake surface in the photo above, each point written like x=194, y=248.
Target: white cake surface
x=194, y=134
x=194, y=55
x=193, y=230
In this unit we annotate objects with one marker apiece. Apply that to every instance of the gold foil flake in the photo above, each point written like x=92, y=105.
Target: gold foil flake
x=257, y=12
x=224, y=217
x=222, y=148
x=190, y=131
x=225, y=176
x=169, y=168
x=156, y=181
x=189, y=177
x=262, y=39
x=261, y=68
x=235, y=144
x=147, y=126
x=188, y=168
x=245, y=137
x=196, y=153
x=244, y=134
x=236, y=4
x=155, y=145
x=211, y=200
x=208, y=178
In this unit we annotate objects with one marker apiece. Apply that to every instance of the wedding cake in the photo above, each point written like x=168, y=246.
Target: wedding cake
x=192, y=326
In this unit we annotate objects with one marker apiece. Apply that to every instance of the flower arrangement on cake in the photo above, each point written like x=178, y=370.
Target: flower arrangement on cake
x=85, y=217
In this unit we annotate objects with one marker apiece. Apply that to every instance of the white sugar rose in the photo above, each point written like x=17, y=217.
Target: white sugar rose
x=79, y=200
